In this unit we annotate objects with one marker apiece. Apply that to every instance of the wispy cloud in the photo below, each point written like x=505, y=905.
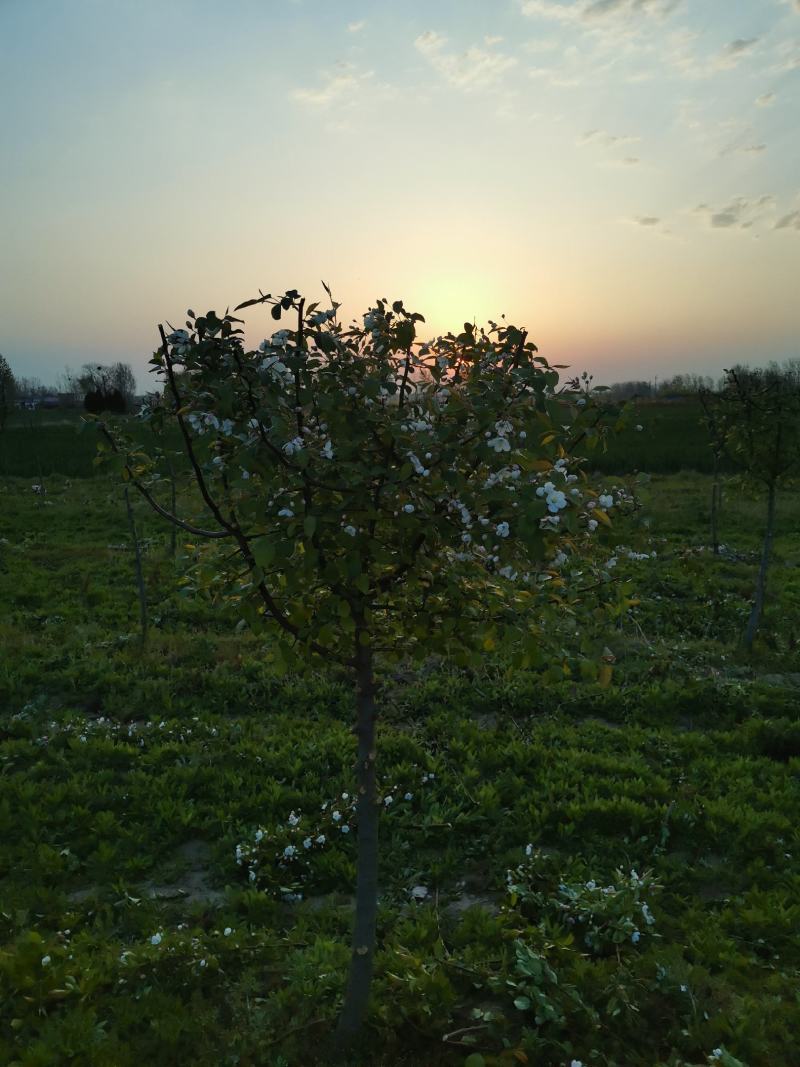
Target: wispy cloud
x=734, y=52
x=475, y=68
x=741, y=213
x=786, y=57
x=766, y=98
x=356, y=27
x=743, y=149
x=615, y=8
x=789, y=222
x=604, y=139
x=551, y=9
x=339, y=86
x=647, y=221
x=591, y=12
x=609, y=143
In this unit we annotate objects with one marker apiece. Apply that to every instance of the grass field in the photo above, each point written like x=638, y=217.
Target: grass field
x=511, y=930
x=46, y=443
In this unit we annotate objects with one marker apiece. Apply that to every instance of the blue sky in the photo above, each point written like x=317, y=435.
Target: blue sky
x=620, y=176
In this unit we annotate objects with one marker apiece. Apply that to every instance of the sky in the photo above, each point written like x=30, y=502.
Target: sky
x=620, y=177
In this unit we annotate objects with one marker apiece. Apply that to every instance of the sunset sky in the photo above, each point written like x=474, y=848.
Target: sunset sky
x=620, y=176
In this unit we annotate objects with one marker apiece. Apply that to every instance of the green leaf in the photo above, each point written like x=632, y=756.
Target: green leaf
x=405, y=333
x=246, y=303
x=309, y=525
x=263, y=549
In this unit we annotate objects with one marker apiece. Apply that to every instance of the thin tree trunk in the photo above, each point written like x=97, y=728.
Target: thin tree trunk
x=173, y=531
x=356, y=1000
x=139, y=569
x=761, y=583
x=715, y=505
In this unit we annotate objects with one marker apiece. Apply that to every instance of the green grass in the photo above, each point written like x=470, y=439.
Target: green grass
x=128, y=778
x=672, y=438
x=42, y=444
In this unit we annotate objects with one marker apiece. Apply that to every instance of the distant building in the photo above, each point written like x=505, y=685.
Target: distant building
x=49, y=401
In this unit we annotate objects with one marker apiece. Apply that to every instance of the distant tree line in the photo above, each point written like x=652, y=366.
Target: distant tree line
x=679, y=385
x=96, y=387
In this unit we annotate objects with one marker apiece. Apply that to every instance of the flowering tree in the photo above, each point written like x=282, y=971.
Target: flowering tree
x=763, y=436
x=383, y=497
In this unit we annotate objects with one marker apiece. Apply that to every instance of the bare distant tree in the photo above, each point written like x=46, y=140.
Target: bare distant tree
x=629, y=390
x=101, y=381
x=32, y=387
x=7, y=391
x=69, y=383
x=763, y=435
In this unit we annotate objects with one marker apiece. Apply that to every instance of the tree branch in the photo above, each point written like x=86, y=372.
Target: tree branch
x=197, y=531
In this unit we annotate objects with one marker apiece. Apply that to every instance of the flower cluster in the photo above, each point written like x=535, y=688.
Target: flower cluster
x=348, y=462
x=281, y=858
x=605, y=916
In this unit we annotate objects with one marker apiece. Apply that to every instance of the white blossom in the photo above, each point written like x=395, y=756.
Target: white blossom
x=295, y=445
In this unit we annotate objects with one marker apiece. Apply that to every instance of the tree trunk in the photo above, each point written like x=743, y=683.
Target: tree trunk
x=173, y=530
x=716, y=496
x=761, y=583
x=356, y=998
x=139, y=571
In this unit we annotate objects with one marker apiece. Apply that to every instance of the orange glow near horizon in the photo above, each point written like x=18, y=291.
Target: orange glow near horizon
x=628, y=193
